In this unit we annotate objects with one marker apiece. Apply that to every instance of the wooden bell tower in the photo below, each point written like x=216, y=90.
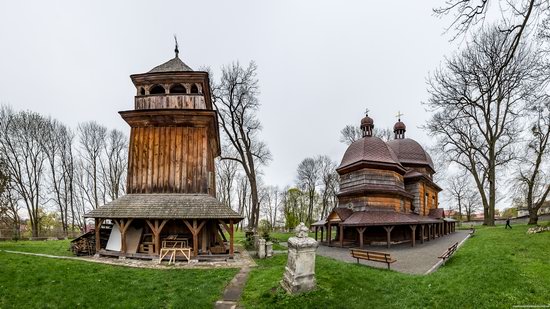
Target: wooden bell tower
x=174, y=134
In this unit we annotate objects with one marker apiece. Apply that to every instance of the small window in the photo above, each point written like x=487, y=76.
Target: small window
x=194, y=89
x=178, y=88
x=142, y=91
x=157, y=89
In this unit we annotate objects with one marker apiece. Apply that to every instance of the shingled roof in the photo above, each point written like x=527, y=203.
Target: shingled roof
x=165, y=206
x=409, y=151
x=173, y=65
x=385, y=217
x=369, y=149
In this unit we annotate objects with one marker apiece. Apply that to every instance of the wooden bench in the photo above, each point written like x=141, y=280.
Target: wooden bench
x=447, y=254
x=372, y=256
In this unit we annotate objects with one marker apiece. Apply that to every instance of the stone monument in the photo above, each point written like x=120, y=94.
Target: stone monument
x=269, y=249
x=299, y=273
x=261, y=248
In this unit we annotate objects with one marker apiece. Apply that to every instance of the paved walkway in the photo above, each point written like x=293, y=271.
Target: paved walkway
x=421, y=259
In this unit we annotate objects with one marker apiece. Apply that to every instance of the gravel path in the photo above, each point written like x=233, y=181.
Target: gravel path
x=421, y=259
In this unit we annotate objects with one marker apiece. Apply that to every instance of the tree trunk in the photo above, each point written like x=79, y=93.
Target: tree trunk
x=533, y=217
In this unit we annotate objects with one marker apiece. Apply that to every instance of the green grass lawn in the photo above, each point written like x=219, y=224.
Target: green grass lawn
x=39, y=282
x=497, y=268
x=53, y=247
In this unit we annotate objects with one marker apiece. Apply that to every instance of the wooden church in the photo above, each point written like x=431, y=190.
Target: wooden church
x=171, y=196
x=387, y=193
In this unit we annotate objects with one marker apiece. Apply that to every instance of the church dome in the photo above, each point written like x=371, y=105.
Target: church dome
x=370, y=149
x=409, y=151
x=399, y=126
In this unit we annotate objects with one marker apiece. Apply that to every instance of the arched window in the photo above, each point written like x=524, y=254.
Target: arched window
x=157, y=89
x=194, y=88
x=142, y=91
x=178, y=88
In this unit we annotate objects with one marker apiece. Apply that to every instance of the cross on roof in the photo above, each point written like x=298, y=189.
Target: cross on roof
x=367, y=111
x=399, y=114
x=176, y=50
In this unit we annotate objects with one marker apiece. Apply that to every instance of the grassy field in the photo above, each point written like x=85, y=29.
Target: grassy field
x=53, y=247
x=497, y=268
x=37, y=282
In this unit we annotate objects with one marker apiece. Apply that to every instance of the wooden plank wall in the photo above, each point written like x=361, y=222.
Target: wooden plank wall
x=359, y=203
x=169, y=160
x=181, y=101
x=369, y=176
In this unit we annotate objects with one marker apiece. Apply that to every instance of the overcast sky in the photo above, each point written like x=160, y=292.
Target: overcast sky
x=320, y=63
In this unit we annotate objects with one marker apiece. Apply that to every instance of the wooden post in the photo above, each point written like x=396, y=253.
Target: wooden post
x=123, y=227
x=322, y=230
x=422, y=233
x=388, y=234
x=429, y=232
x=341, y=235
x=328, y=234
x=98, y=223
x=360, y=230
x=231, y=238
x=156, y=227
x=413, y=232
x=195, y=231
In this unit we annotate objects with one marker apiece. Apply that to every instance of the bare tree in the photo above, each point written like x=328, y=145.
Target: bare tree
x=351, y=133
x=54, y=148
x=92, y=142
x=308, y=180
x=329, y=184
x=532, y=179
x=21, y=138
x=114, y=171
x=459, y=188
x=9, y=207
x=236, y=100
x=226, y=172
x=475, y=120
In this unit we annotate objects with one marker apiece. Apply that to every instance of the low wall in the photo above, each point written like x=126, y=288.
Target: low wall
x=518, y=220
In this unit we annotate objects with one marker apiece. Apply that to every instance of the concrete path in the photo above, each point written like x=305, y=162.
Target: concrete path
x=234, y=289
x=421, y=259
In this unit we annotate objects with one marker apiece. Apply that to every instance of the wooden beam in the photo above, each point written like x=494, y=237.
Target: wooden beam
x=413, y=233
x=388, y=234
x=316, y=229
x=360, y=230
x=322, y=230
x=98, y=222
x=328, y=234
x=341, y=235
x=231, y=238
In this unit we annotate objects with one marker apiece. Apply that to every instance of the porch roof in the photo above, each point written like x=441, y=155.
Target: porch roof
x=165, y=206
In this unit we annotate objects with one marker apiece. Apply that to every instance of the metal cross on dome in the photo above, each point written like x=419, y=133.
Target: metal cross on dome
x=399, y=114
x=367, y=111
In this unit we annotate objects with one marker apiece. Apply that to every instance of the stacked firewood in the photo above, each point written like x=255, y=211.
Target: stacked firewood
x=84, y=244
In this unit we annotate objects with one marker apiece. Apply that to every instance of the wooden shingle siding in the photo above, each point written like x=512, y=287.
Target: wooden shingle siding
x=368, y=176
x=171, y=159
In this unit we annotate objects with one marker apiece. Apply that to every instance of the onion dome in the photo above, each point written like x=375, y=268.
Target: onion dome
x=409, y=152
x=367, y=124
x=370, y=150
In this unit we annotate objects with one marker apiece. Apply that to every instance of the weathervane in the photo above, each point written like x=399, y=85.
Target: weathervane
x=176, y=50
x=399, y=114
